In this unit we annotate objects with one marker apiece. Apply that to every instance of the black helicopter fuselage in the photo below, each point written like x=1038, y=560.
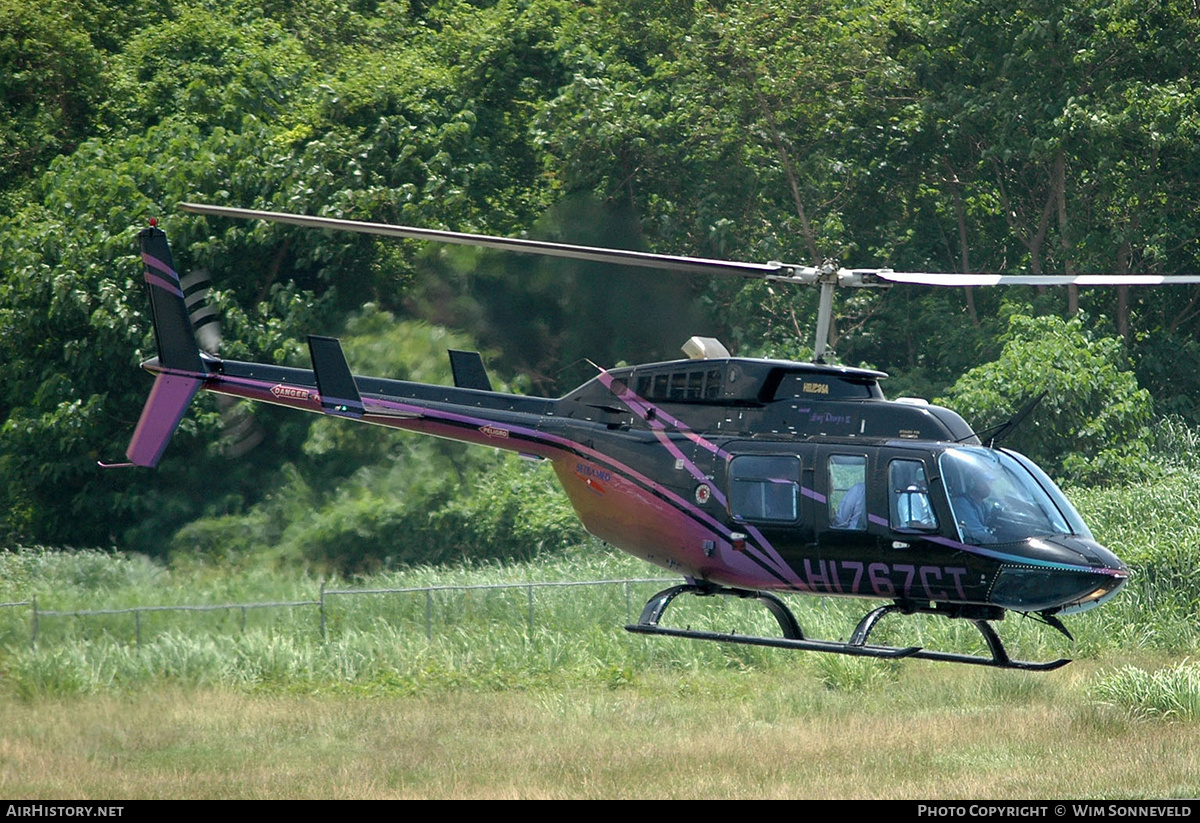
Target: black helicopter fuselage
x=732, y=471
x=745, y=476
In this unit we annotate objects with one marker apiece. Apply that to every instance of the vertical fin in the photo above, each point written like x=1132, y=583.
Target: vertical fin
x=177, y=351
x=339, y=393
x=177, y=347
x=468, y=370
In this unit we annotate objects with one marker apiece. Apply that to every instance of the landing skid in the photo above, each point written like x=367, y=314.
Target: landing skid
x=793, y=637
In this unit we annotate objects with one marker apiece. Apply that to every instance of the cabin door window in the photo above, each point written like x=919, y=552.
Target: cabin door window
x=847, y=492
x=908, y=495
x=765, y=488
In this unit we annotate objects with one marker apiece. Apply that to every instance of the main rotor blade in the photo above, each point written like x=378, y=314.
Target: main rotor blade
x=760, y=271
x=927, y=279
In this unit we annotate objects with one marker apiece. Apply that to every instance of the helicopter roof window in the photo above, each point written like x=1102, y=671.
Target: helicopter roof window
x=996, y=498
x=764, y=487
x=682, y=386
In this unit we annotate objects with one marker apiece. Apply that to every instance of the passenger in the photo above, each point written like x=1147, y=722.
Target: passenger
x=852, y=511
x=910, y=501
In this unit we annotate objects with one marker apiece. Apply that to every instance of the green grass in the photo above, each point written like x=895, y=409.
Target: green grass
x=478, y=640
x=922, y=732
x=1170, y=692
x=458, y=695
x=412, y=643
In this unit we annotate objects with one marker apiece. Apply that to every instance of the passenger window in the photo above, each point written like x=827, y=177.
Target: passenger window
x=764, y=487
x=847, y=492
x=908, y=495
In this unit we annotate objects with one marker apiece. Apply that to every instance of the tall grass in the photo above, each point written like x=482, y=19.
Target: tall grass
x=411, y=643
x=489, y=639
x=1170, y=692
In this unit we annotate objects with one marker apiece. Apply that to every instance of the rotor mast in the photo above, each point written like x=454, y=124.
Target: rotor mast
x=827, y=278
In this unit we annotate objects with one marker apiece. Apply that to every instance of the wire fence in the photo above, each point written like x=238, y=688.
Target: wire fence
x=37, y=613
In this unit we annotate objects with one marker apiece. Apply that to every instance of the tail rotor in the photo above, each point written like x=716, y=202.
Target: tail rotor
x=240, y=429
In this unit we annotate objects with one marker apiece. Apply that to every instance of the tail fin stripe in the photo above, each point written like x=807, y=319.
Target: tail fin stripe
x=165, y=268
x=155, y=280
x=171, y=285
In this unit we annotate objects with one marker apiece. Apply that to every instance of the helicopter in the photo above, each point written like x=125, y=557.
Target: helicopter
x=748, y=477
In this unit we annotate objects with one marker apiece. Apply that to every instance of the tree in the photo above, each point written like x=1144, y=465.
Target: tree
x=229, y=107
x=1092, y=425
x=50, y=85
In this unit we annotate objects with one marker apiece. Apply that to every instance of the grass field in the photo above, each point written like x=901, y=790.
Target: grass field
x=925, y=731
x=575, y=707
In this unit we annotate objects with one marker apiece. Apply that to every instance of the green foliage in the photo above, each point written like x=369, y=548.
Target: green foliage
x=363, y=497
x=50, y=85
x=74, y=319
x=215, y=68
x=411, y=509
x=225, y=103
x=1172, y=692
x=508, y=511
x=1093, y=424
x=945, y=135
x=1154, y=526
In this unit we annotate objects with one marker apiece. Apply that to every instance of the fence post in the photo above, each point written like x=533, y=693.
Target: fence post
x=529, y=590
x=429, y=615
x=34, y=629
x=322, y=610
x=137, y=625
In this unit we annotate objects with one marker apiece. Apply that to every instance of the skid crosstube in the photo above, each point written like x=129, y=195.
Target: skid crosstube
x=793, y=637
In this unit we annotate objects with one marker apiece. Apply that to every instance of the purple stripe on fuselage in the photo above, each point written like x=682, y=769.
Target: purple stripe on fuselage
x=425, y=413
x=643, y=408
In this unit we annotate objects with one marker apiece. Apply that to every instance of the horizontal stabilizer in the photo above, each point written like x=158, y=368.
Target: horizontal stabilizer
x=164, y=409
x=339, y=392
x=468, y=370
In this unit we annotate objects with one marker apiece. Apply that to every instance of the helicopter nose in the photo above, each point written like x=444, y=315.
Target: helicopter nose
x=1064, y=575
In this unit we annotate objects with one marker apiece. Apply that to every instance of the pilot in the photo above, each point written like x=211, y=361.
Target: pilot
x=971, y=508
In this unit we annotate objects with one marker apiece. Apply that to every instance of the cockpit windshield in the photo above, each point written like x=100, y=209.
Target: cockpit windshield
x=1002, y=497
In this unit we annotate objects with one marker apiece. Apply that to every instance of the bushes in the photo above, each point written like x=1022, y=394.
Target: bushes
x=413, y=511
x=509, y=511
x=1092, y=426
x=1171, y=692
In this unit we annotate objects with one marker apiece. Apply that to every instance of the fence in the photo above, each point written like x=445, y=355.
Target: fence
x=37, y=614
